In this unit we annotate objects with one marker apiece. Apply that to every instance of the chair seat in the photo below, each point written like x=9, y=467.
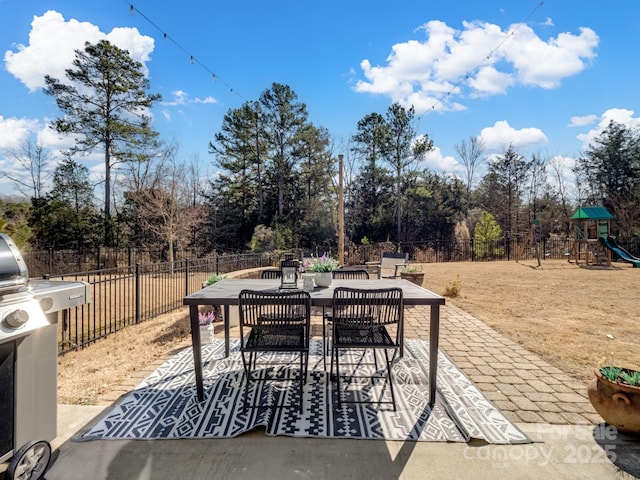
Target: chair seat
x=359, y=337
x=277, y=338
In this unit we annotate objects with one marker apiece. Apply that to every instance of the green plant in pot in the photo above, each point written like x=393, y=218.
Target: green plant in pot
x=323, y=267
x=214, y=278
x=615, y=395
x=413, y=273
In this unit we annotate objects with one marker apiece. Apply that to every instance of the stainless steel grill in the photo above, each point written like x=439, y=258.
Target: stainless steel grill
x=28, y=361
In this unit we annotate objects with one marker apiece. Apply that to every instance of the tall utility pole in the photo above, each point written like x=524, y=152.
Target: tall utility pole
x=340, y=213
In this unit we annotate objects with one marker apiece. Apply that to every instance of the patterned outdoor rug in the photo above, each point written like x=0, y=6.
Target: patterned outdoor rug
x=164, y=405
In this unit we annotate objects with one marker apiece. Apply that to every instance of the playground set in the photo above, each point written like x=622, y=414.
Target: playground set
x=592, y=242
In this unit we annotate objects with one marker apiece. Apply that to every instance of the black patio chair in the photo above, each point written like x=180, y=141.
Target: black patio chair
x=341, y=273
x=273, y=321
x=271, y=273
x=370, y=320
x=351, y=274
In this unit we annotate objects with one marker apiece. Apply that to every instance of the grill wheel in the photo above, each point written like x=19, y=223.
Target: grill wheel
x=30, y=462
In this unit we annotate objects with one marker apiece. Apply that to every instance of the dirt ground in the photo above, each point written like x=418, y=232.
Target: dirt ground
x=569, y=315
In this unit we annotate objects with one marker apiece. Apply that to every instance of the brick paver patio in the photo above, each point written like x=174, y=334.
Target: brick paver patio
x=522, y=385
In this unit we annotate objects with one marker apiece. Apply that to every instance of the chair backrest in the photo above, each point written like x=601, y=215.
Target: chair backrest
x=271, y=308
x=351, y=274
x=367, y=307
x=271, y=273
x=390, y=260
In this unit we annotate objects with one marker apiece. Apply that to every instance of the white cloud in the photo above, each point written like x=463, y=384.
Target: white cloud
x=439, y=163
x=206, y=100
x=582, y=121
x=481, y=59
x=618, y=115
x=52, y=140
x=501, y=135
x=13, y=131
x=181, y=97
x=545, y=64
x=166, y=114
x=52, y=45
x=490, y=81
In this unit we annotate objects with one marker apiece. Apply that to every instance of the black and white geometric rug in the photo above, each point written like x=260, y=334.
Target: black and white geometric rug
x=164, y=405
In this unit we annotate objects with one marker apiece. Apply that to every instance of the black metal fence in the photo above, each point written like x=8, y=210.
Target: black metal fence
x=437, y=251
x=129, y=294
x=125, y=296
x=56, y=262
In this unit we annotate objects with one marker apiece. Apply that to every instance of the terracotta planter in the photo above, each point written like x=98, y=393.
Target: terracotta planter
x=414, y=277
x=618, y=404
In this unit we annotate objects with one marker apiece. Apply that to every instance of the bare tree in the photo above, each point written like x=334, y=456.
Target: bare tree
x=537, y=183
x=33, y=160
x=471, y=154
x=561, y=187
x=167, y=209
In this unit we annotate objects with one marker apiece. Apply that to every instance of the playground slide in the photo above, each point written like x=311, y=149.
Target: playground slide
x=615, y=243
x=612, y=245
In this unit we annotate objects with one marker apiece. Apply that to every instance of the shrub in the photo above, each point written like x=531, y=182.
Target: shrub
x=452, y=289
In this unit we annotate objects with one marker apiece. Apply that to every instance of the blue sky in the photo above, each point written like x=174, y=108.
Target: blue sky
x=545, y=76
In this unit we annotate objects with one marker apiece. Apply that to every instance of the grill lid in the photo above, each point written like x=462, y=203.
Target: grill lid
x=13, y=270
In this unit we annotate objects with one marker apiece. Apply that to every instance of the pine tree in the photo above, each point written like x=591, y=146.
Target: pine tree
x=105, y=105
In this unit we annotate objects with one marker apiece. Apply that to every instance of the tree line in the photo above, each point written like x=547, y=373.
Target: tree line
x=275, y=184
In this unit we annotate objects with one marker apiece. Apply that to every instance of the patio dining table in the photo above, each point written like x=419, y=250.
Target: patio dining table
x=225, y=293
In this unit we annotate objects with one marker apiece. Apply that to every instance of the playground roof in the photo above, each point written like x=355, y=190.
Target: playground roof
x=592, y=213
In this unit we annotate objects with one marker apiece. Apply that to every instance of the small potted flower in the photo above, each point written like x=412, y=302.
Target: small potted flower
x=615, y=395
x=323, y=268
x=413, y=273
x=206, y=320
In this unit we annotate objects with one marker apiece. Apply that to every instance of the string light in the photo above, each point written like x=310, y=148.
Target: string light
x=215, y=77
x=192, y=58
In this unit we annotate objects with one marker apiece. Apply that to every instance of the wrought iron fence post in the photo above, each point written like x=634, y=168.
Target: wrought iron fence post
x=186, y=277
x=138, y=300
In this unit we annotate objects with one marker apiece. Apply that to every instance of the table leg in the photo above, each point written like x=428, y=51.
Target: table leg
x=401, y=332
x=227, y=329
x=197, y=352
x=434, y=332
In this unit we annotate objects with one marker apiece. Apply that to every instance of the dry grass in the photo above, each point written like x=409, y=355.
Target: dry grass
x=562, y=312
x=86, y=375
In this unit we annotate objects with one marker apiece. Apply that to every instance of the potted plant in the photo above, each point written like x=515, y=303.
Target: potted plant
x=206, y=320
x=215, y=278
x=323, y=268
x=413, y=273
x=615, y=395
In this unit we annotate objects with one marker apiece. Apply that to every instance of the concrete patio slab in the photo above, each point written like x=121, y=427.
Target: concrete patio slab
x=559, y=452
